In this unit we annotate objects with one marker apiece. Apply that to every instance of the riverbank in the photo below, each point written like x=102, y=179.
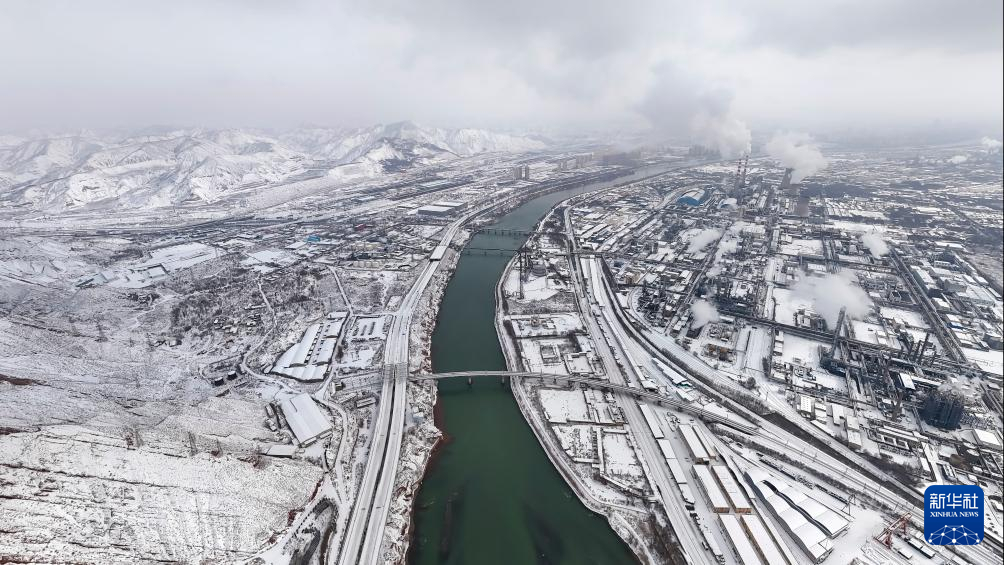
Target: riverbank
x=493, y=495
x=620, y=524
x=423, y=434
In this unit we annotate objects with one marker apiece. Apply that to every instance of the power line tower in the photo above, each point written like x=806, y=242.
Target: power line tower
x=847, y=505
x=899, y=525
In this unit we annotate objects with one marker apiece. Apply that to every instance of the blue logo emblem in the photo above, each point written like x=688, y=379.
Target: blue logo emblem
x=953, y=514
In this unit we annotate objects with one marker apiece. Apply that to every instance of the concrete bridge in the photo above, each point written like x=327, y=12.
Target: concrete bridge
x=723, y=417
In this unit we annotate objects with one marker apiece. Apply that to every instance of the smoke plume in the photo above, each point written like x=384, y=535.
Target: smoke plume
x=830, y=293
x=678, y=104
x=702, y=312
x=703, y=239
x=875, y=244
x=722, y=131
x=991, y=145
x=797, y=151
x=958, y=159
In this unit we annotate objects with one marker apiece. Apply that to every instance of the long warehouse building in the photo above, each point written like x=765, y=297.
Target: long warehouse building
x=652, y=420
x=763, y=542
x=809, y=536
x=694, y=444
x=744, y=551
x=732, y=489
x=709, y=486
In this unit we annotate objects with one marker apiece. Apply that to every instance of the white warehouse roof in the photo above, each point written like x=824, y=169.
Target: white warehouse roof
x=304, y=418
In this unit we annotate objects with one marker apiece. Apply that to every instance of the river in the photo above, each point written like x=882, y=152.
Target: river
x=491, y=495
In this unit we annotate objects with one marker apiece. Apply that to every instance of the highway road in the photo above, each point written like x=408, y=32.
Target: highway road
x=591, y=296
x=365, y=531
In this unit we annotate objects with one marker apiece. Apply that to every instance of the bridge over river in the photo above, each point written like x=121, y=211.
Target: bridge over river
x=718, y=416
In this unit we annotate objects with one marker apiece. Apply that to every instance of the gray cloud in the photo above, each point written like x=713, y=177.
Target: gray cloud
x=679, y=104
x=637, y=63
x=966, y=25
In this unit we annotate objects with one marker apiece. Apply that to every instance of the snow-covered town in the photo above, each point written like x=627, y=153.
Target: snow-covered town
x=722, y=362
x=473, y=283
x=782, y=341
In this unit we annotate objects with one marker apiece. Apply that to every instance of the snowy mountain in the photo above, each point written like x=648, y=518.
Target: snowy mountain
x=404, y=140
x=169, y=167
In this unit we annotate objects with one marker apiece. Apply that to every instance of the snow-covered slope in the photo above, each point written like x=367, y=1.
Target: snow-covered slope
x=350, y=145
x=144, y=171
x=170, y=167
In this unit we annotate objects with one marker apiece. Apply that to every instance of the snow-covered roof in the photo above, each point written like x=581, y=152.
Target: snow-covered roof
x=744, y=550
x=304, y=418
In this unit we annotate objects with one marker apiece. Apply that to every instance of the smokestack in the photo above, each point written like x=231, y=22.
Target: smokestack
x=923, y=347
x=786, y=181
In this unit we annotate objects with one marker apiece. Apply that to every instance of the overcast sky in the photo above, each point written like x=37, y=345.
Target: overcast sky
x=793, y=64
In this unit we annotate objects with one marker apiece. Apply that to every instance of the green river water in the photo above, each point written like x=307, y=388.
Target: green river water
x=490, y=495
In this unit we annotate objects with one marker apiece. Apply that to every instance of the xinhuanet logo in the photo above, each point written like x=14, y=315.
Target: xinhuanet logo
x=953, y=514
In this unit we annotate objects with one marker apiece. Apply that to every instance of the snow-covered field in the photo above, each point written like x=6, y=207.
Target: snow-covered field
x=99, y=494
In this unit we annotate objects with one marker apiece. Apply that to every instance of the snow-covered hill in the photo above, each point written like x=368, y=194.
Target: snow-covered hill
x=170, y=167
x=350, y=145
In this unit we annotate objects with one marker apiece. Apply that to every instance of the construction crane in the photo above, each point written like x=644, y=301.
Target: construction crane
x=899, y=525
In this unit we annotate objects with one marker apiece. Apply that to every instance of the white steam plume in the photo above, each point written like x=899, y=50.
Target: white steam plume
x=797, y=151
x=680, y=103
x=958, y=159
x=830, y=293
x=722, y=131
x=875, y=244
x=703, y=239
x=702, y=312
x=991, y=145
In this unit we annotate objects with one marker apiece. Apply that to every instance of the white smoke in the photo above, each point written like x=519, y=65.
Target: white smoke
x=726, y=246
x=703, y=239
x=958, y=159
x=991, y=145
x=702, y=312
x=729, y=244
x=797, y=151
x=680, y=103
x=875, y=244
x=724, y=132
x=830, y=293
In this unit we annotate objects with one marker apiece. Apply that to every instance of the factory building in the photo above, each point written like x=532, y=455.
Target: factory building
x=440, y=209
x=693, y=197
x=786, y=185
x=694, y=444
x=304, y=418
x=309, y=358
x=732, y=489
x=708, y=485
x=944, y=409
x=810, y=524
x=763, y=542
x=744, y=551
